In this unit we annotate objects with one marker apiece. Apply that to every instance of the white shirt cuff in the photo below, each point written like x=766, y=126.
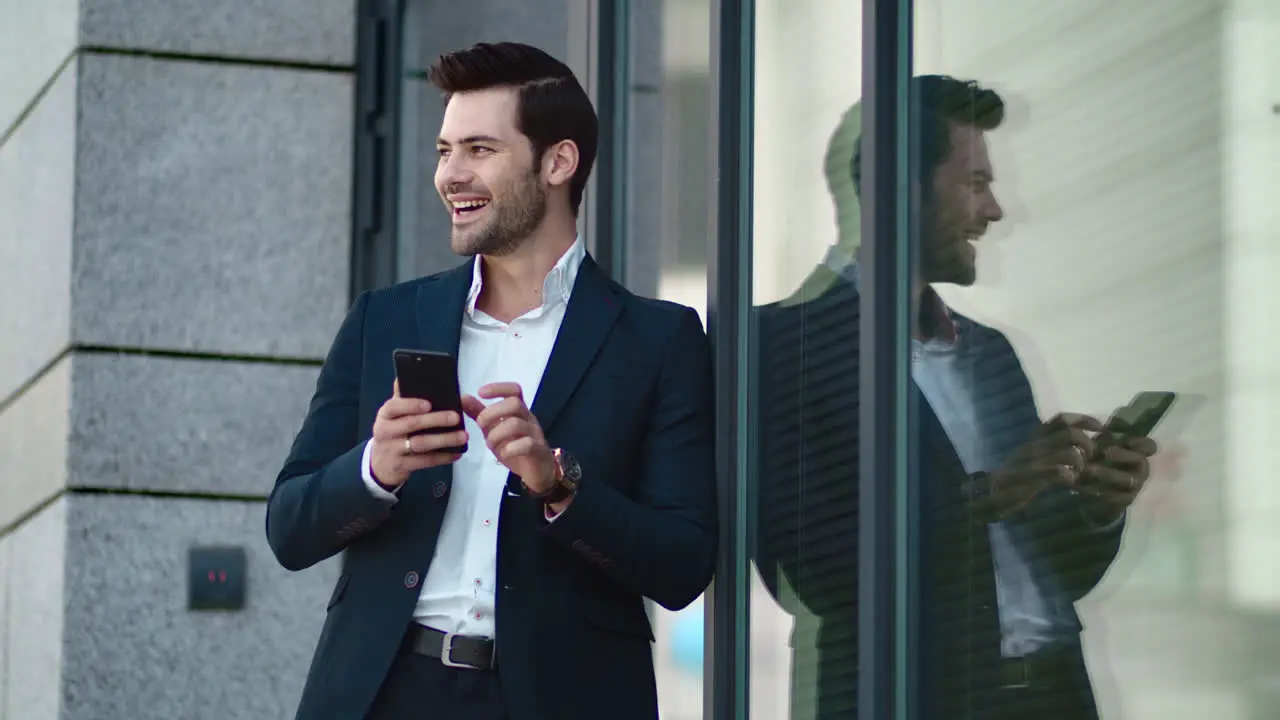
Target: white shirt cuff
x=366, y=473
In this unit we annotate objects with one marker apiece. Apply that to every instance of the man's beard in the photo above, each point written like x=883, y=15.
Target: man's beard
x=944, y=253
x=514, y=219
x=947, y=264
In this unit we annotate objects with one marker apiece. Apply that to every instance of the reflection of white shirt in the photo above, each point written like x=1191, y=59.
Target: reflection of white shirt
x=458, y=593
x=1025, y=619
x=1025, y=624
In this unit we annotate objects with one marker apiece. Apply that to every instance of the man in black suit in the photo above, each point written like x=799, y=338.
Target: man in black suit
x=1020, y=518
x=507, y=581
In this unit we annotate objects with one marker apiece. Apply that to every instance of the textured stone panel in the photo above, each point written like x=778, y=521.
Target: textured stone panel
x=213, y=207
x=37, y=38
x=320, y=31
x=208, y=426
x=37, y=185
x=33, y=444
x=31, y=620
x=132, y=648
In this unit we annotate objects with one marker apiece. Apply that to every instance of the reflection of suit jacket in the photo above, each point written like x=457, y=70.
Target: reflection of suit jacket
x=627, y=390
x=806, y=543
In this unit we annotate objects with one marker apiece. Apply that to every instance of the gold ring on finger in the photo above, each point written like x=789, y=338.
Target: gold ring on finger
x=408, y=445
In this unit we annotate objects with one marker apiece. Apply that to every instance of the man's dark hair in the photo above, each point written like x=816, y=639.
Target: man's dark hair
x=551, y=105
x=940, y=101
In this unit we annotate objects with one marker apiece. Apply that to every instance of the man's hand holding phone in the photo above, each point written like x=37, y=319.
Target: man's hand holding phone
x=404, y=441
x=1118, y=471
x=1056, y=456
x=1105, y=468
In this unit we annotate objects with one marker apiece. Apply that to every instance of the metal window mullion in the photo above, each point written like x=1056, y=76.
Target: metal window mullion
x=613, y=102
x=888, y=549
x=375, y=187
x=726, y=686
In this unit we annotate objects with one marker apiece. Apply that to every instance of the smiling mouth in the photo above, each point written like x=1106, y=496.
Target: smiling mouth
x=468, y=207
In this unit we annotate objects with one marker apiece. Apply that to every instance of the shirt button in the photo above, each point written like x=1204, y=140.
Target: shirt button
x=485, y=523
x=440, y=489
x=478, y=582
x=478, y=616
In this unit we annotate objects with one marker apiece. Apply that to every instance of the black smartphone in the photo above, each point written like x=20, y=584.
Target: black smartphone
x=1143, y=413
x=1137, y=419
x=431, y=376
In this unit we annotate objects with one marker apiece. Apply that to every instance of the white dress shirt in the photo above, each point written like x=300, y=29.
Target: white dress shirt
x=1026, y=622
x=458, y=593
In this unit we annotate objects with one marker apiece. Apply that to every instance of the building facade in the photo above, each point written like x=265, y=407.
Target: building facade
x=191, y=194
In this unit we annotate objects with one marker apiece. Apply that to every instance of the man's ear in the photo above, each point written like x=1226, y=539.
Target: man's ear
x=560, y=163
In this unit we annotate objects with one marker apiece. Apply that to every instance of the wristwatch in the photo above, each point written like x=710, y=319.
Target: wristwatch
x=568, y=474
x=978, y=487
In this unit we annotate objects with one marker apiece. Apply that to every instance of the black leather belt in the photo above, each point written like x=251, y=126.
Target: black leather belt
x=1046, y=668
x=457, y=651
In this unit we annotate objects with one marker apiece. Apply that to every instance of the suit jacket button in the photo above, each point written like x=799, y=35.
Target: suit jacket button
x=411, y=579
x=440, y=489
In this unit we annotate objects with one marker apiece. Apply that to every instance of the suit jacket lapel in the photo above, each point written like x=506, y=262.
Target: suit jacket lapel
x=594, y=304
x=440, y=305
x=942, y=459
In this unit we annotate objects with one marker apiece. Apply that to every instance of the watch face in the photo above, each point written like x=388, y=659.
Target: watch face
x=571, y=469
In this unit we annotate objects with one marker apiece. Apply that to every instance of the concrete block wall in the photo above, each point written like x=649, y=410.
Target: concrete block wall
x=175, y=182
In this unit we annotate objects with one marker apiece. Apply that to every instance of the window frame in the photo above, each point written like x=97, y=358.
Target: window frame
x=726, y=684
x=378, y=101
x=888, y=512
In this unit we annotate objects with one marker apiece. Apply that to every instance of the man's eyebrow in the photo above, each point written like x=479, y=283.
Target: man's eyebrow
x=471, y=140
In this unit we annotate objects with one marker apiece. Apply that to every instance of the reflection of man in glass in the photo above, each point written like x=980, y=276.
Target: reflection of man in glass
x=1020, y=518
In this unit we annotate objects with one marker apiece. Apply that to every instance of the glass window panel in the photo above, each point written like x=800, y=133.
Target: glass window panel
x=803, y=604
x=1124, y=245
x=667, y=178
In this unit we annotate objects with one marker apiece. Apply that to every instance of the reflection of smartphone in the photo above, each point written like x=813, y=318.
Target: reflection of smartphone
x=1137, y=419
x=1142, y=414
x=433, y=377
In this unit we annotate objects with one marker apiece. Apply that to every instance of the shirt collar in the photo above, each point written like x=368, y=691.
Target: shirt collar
x=935, y=317
x=557, y=287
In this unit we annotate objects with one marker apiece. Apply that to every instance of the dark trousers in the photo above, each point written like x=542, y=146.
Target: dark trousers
x=1065, y=694
x=423, y=688
x=1062, y=703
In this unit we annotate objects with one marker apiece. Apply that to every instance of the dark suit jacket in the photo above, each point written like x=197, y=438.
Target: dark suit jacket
x=627, y=391
x=806, y=544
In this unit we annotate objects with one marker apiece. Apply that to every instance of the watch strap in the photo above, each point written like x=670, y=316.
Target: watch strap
x=978, y=487
x=558, y=493
x=560, y=490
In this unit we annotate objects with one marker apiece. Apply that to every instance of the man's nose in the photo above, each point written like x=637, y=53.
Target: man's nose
x=991, y=210
x=453, y=171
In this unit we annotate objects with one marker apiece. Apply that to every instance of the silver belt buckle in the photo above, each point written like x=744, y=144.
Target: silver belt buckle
x=446, y=654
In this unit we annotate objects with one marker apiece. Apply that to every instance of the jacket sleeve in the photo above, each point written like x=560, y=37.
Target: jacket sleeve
x=1079, y=551
x=804, y=452
x=320, y=502
x=662, y=544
